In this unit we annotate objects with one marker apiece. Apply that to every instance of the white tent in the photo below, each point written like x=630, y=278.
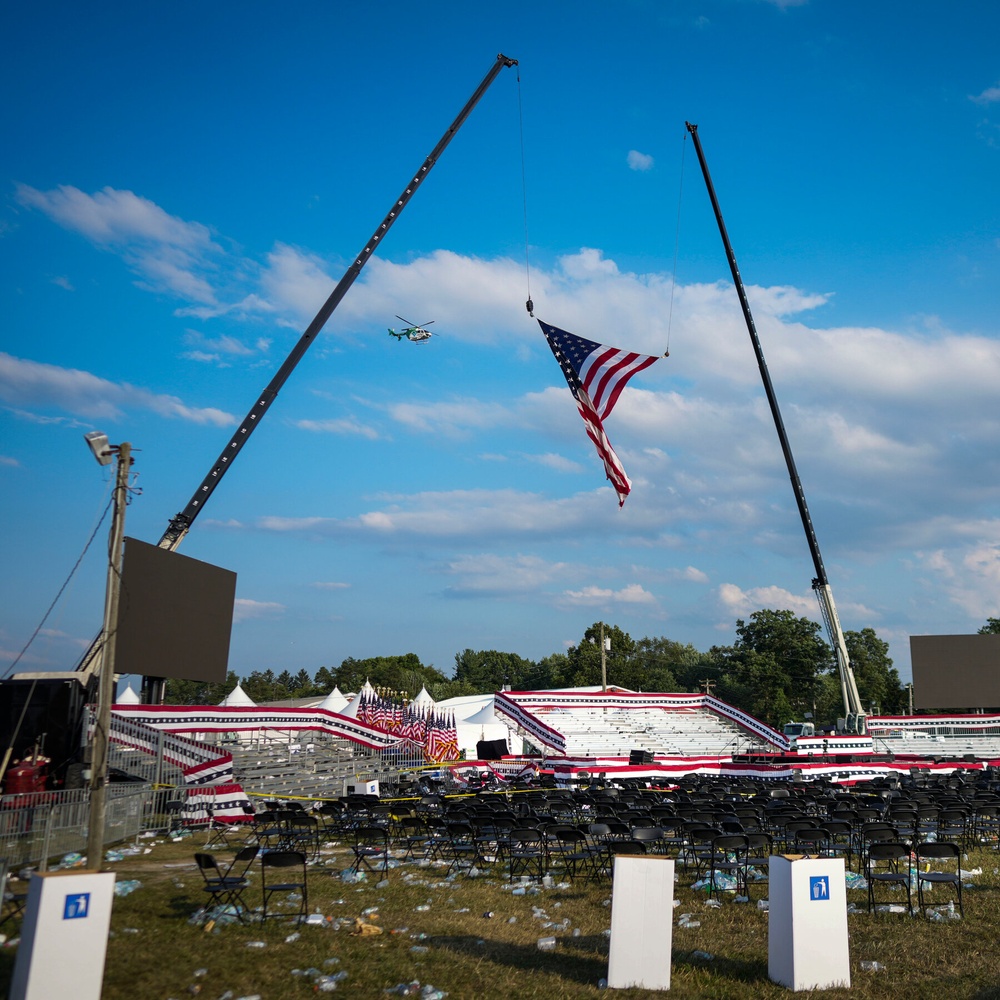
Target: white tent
x=475, y=720
x=129, y=697
x=238, y=698
x=422, y=700
x=334, y=701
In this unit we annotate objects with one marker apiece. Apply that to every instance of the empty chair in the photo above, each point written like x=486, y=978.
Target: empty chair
x=459, y=848
x=573, y=853
x=284, y=873
x=12, y=904
x=651, y=836
x=888, y=863
x=226, y=888
x=729, y=856
x=370, y=847
x=526, y=852
x=302, y=834
x=946, y=860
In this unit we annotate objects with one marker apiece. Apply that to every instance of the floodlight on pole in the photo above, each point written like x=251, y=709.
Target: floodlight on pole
x=98, y=443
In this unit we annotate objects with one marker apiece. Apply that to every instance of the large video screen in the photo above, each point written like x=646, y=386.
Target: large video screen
x=175, y=616
x=952, y=672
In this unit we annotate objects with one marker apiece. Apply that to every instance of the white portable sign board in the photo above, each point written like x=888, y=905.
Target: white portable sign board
x=807, y=943
x=64, y=936
x=642, y=914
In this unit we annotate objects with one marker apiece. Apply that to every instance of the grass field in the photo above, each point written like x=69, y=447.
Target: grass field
x=438, y=932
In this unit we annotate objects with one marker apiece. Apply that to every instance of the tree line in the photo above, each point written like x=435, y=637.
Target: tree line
x=778, y=669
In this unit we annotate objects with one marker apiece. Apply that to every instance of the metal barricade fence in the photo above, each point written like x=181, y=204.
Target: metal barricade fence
x=42, y=825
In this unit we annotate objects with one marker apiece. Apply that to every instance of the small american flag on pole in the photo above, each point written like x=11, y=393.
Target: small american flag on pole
x=596, y=375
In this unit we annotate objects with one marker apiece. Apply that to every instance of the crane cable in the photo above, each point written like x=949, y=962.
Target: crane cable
x=529, y=305
x=66, y=583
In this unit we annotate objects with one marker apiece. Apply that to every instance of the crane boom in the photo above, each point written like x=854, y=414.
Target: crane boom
x=820, y=584
x=181, y=523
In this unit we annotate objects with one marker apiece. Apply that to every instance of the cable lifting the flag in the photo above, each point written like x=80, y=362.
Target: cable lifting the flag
x=596, y=375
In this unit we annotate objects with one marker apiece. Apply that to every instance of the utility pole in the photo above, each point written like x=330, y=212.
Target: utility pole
x=106, y=684
x=605, y=643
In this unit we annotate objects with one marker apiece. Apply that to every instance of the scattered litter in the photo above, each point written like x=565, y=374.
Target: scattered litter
x=198, y=973
x=763, y=904
x=419, y=949
x=685, y=920
x=256, y=944
x=366, y=928
x=72, y=860
x=547, y=944
x=292, y=938
x=873, y=967
x=488, y=915
x=126, y=886
x=704, y=956
x=714, y=904
x=855, y=881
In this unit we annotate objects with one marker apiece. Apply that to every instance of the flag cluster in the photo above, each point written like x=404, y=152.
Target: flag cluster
x=596, y=375
x=432, y=729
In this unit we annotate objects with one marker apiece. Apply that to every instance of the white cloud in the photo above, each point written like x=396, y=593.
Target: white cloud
x=31, y=383
x=8, y=461
x=558, y=463
x=639, y=161
x=167, y=252
x=491, y=573
x=330, y=586
x=991, y=95
x=244, y=609
x=343, y=426
x=597, y=596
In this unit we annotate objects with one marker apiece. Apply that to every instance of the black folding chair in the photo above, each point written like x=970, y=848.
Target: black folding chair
x=371, y=849
x=888, y=864
x=526, y=852
x=287, y=871
x=945, y=855
x=226, y=888
x=11, y=903
x=729, y=856
x=217, y=834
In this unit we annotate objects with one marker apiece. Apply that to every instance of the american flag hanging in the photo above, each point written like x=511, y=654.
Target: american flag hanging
x=596, y=375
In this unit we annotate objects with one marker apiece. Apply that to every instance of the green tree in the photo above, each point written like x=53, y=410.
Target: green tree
x=487, y=670
x=585, y=659
x=262, y=686
x=180, y=692
x=548, y=674
x=403, y=673
x=797, y=651
x=878, y=680
x=661, y=664
x=992, y=627
x=324, y=681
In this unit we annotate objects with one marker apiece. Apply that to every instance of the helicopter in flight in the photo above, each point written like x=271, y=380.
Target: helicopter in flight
x=417, y=334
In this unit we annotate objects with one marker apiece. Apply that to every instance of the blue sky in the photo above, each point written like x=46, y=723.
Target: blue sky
x=184, y=184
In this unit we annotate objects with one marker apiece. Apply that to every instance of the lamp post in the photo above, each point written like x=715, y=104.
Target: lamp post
x=104, y=453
